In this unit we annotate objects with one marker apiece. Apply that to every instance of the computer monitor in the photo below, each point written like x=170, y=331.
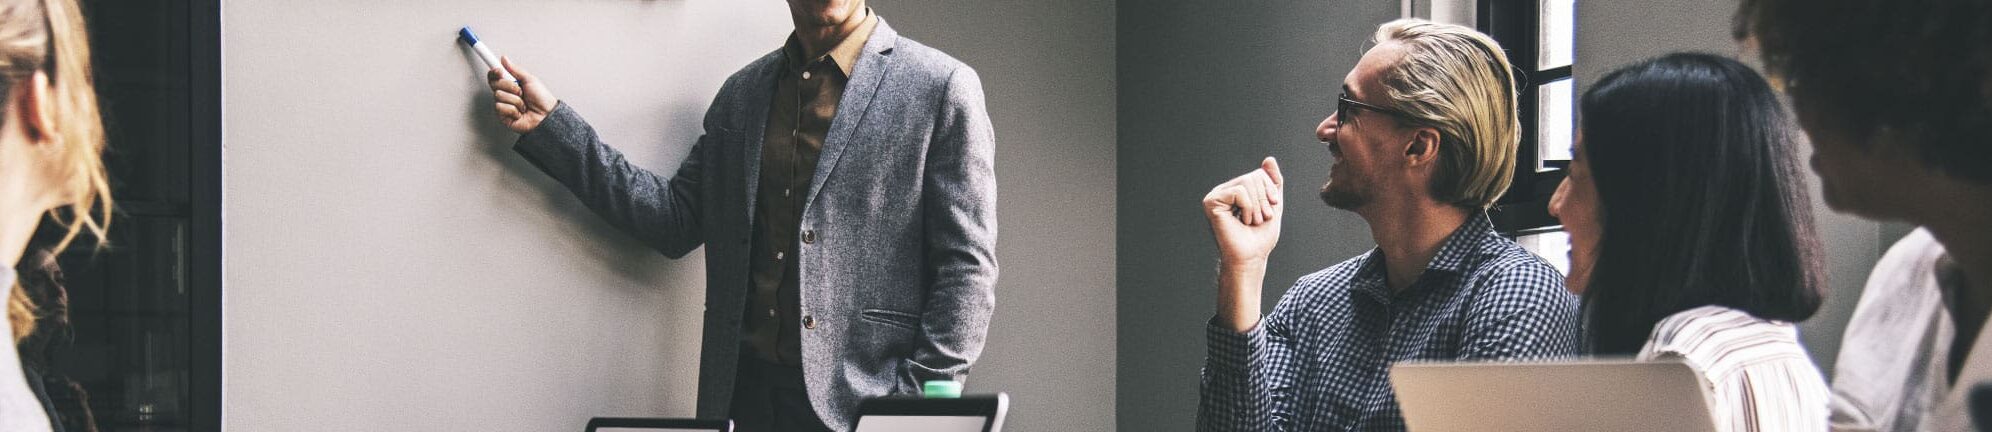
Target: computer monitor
x=1663, y=396
x=626, y=424
x=974, y=413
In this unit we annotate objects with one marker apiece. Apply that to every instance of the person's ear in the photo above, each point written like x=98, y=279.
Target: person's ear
x=31, y=107
x=1423, y=148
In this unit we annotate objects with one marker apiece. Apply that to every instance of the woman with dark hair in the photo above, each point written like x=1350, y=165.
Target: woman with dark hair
x=1691, y=234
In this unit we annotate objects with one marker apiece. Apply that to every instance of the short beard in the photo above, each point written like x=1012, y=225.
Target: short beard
x=1342, y=198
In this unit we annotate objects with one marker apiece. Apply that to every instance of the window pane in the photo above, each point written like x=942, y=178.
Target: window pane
x=1557, y=33
x=1553, y=117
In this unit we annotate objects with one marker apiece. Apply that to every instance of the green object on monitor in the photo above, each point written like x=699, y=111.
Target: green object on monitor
x=941, y=389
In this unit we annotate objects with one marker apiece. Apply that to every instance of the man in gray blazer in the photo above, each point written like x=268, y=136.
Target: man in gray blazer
x=845, y=192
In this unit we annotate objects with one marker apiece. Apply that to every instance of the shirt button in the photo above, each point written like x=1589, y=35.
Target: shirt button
x=785, y=192
x=771, y=312
x=809, y=322
x=805, y=74
x=808, y=236
x=778, y=256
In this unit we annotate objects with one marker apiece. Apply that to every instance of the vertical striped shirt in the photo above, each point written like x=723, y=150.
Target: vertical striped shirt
x=1759, y=375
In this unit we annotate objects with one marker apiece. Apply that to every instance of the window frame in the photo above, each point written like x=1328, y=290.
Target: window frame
x=1516, y=25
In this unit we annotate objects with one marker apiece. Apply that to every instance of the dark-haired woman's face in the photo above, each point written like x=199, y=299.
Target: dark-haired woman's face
x=1575, y=204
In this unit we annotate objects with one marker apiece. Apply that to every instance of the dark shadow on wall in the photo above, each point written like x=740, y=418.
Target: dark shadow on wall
x=584, y=230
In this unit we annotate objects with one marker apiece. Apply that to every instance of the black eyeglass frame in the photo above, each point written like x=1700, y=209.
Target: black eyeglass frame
x=1342, y=104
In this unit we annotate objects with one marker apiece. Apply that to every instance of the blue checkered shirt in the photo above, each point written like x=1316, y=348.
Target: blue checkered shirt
x=1320, y=360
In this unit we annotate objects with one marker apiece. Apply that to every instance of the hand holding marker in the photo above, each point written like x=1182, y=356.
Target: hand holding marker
x=522, y=101
x=483, y=52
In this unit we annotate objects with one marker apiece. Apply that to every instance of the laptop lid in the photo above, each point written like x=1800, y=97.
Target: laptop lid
x=625, y=424
x=1578, y=395
x=974, y=413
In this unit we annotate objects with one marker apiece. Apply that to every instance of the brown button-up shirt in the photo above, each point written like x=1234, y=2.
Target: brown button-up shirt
x=806, y=96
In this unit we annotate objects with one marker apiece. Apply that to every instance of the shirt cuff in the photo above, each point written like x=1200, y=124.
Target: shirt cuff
x=1232, y=352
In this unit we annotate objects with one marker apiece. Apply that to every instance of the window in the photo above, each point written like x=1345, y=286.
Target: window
x=1540, y=36
x=143, y=341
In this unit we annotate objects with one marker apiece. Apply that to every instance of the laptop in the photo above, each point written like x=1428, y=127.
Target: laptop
x=1664, y=396
x=973, y=413
x=626, y=424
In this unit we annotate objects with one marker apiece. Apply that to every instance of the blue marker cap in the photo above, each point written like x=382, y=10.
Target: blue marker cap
x=467, y=36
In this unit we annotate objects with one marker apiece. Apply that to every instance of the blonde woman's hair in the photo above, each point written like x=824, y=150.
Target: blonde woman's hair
x=48, y=36
x=1458, y=81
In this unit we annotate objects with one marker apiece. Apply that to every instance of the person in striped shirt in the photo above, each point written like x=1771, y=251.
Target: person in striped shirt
x=1691, y=235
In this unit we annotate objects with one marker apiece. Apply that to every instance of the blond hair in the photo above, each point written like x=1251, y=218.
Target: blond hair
x=48, y=36
x=1458, y=81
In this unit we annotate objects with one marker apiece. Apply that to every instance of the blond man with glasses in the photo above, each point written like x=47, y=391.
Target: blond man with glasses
x=1424, y=140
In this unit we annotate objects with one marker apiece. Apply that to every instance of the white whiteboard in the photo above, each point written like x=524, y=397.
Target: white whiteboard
x=390, y=264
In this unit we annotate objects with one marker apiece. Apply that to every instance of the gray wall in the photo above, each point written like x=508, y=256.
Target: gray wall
x=392, y=265
x=1613, y=34
x=1206, y=92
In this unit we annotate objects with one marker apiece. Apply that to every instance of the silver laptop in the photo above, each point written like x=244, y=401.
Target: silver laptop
x=633, y=424
x=1607, y=395
x=973, y=413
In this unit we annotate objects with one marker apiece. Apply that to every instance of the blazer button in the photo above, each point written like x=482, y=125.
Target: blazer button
x=809, y=322
x=809, y=236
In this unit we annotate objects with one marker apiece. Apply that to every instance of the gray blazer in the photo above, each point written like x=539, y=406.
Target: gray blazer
x=898, y=263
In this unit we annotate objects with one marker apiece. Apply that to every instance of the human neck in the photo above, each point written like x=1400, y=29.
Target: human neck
x=16, y=228
x=1409, y=235
x=1961, y=219
x=818, y=39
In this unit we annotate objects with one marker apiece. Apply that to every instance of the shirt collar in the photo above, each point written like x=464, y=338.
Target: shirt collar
x=1452, y=258
x=845, y=54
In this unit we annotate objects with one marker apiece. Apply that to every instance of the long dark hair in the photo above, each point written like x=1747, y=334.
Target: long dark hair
x=1701, y=196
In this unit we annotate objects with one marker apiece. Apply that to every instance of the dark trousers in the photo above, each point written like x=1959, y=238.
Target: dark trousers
x=771, y=397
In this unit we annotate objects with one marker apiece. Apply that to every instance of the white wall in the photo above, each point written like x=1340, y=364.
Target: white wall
x=392, y=265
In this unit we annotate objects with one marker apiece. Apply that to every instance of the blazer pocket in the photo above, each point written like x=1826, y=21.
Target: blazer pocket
x=891, y=318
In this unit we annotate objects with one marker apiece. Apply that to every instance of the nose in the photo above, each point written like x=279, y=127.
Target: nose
x=1326, y=130
x=1556, y=199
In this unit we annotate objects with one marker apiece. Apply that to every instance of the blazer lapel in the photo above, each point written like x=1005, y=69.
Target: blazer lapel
x=758, y=99
x=872, y=70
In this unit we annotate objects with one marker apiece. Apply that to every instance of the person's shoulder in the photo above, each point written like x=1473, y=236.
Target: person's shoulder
x=1710, y=331
x=1909, y=264
x=912, y=57
x=754, y=71
x=1504, y=265
x=1715, y=320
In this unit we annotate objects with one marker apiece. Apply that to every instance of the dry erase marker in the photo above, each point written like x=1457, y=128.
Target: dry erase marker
x=484, y=52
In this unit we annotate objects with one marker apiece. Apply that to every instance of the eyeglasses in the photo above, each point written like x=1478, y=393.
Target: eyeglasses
x=1348, y=108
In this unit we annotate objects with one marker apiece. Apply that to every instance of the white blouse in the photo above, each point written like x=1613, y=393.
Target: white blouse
x=1759, y=375
x=20, y=411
